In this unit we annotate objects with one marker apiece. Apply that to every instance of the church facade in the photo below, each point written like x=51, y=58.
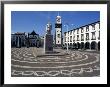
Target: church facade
x=20, y=39
x=85, y=37
x=33, y=39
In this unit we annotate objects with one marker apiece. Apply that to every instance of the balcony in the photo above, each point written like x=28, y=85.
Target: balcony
x=93, y=39
x=87, y=38
x=82, y=39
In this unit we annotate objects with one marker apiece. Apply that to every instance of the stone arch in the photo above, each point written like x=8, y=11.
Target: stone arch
x=78, y=45
x=70, y=45
x=93, y=45
x=87, y=45
x=99, y=45
x=82, y=45
x=74, y=45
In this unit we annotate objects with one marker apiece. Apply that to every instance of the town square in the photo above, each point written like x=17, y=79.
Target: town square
x=65, y=52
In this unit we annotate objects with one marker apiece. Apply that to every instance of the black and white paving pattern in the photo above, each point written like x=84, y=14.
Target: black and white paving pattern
x=26, y=63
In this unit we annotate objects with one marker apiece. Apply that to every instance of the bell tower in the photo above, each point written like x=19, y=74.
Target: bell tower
x=58, y=32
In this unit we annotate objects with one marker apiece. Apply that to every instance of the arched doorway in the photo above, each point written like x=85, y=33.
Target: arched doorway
x=87, y=45
x=78, y=45
x=70, y=45
x=65, y=44
x=93, y=45
x=99, y=45
x=82, y=45
x=74, y=45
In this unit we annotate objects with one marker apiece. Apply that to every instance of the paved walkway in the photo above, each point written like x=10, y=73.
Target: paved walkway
x=27, y=63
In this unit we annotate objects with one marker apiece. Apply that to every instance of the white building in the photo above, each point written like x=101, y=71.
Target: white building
x=85, y=37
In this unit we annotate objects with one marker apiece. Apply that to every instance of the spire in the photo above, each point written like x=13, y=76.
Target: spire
x=48, y=18
x=58, y=14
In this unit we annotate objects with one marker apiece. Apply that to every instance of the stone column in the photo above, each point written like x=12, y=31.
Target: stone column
x=90, y=45
x=96, y=47
x=18, y=42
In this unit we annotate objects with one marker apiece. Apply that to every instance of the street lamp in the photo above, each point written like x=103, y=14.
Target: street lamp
x=67, y=36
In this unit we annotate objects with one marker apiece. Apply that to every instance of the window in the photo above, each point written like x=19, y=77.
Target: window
x=82, y=37
x=93, y=27
x=77, y=37
x=70, y=32
x=70, y=38
x=30, y=36
x=67, y=33
x=65, y=39
x=35, y=36
x=87, y=28
x=73, y=31
x=58, y=35
x=73, y=38
x=82, y=30
x=87, y=36
x=77, y=31
x=58, y=41
x=99, y=35
x=93, y=36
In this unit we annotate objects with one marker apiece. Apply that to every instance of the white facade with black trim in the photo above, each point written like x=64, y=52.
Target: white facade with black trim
x=85, y=37
x=58, y=32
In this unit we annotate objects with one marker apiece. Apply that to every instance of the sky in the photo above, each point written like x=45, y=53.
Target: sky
x=27, y=21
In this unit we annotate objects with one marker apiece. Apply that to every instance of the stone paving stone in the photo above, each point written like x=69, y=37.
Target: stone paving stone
x=25, y=62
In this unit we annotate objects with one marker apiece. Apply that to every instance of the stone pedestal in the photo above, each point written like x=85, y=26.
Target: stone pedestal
x=48, y=44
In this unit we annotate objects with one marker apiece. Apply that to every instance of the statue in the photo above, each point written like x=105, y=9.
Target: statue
x=48, y=39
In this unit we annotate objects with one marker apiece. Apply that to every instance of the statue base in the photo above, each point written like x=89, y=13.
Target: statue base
x=48, y=43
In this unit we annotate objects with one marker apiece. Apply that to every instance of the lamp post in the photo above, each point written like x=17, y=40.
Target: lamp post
x=67, y=36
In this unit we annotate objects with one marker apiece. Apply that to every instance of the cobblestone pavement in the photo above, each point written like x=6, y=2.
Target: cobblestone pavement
x=25, y=62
